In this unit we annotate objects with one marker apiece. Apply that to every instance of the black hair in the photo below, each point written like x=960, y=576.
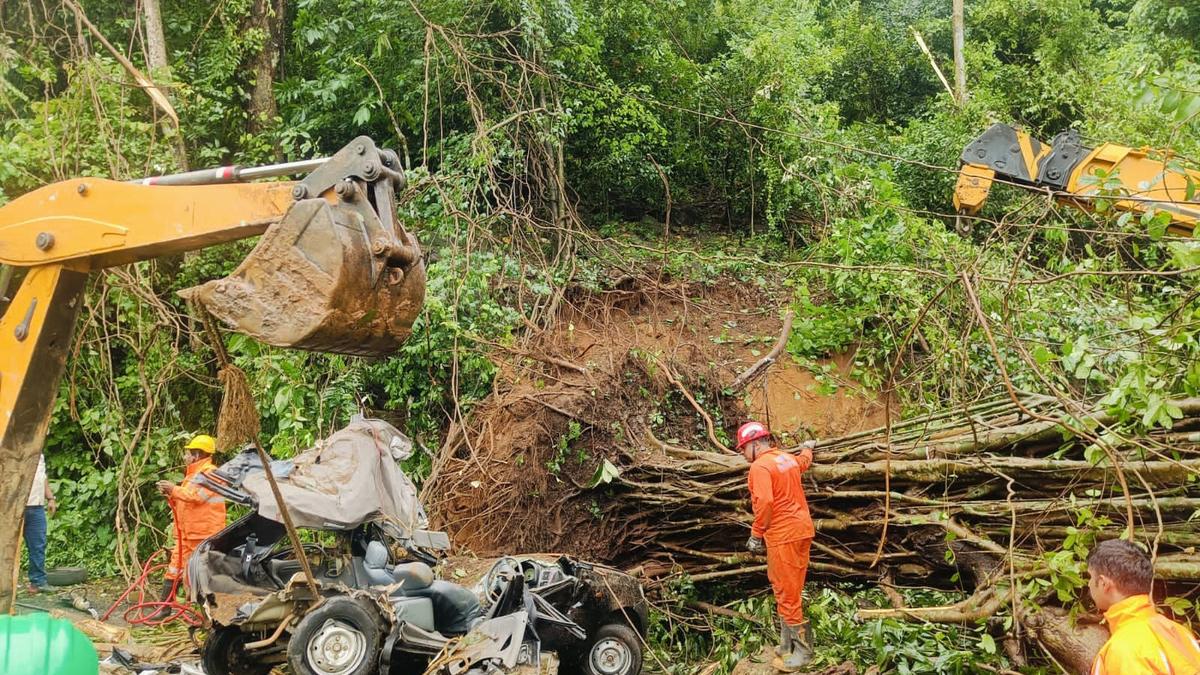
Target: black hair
x=1125, y=563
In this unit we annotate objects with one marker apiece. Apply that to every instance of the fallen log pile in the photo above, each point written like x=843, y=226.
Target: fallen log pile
x=996, y=481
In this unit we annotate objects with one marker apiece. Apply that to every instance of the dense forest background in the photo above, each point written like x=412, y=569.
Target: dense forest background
x=803, y=145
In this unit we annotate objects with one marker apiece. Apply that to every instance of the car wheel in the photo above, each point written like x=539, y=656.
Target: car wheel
x=615, y=649
x=340, y=637
x=224, y=653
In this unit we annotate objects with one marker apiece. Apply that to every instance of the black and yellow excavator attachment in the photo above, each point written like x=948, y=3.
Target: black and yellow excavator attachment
x=1149, y=180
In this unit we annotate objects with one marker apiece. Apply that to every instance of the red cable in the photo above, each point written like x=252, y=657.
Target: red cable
x=147, y=612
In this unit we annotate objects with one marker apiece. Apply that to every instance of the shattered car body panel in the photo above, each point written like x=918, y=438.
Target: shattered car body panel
x=598, y=591
x=350, y=487
x=499, y=642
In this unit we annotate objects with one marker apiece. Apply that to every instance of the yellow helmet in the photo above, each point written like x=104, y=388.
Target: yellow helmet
x=203, y=443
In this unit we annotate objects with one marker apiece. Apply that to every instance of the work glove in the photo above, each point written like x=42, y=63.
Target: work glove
x=755, y=545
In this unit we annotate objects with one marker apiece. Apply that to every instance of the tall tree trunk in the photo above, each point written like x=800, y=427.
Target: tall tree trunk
x=265, y=16
x=960, y=64
x=156, y=43
x=156, y=59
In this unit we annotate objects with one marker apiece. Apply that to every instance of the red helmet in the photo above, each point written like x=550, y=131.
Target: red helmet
x=751, y=431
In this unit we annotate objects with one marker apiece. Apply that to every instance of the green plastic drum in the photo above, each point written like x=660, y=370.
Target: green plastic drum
x=39, y=643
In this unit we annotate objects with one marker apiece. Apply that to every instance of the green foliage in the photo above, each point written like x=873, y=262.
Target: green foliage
x=1174, y=23
x=443, y=364
x=1065, y=568
x=562, y=449
x=1029, y=56
x=877, y=73
x=213, y=48
x=895, y=645
x=891, y=645
x=937, y=138
x=32, y=145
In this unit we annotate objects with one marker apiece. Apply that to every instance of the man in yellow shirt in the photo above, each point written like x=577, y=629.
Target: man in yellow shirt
x=1143, y=642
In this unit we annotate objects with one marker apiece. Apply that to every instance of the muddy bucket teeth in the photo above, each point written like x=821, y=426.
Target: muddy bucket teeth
x=313, y=282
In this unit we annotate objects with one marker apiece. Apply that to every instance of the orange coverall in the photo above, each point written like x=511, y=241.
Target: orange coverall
x=199, y=514
x=1145, y=642
x=782, y=520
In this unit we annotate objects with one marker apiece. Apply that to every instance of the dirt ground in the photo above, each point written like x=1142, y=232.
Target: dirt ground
x=793, y=401
x=720, y=332
x=98, y=594
x=619, y=374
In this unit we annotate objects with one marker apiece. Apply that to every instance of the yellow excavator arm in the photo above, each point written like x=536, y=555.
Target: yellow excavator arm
x=333, y=271
x=1149, y=181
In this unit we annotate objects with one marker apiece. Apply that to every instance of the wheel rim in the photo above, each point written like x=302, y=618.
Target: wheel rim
x=337, y=648
x=610, y=657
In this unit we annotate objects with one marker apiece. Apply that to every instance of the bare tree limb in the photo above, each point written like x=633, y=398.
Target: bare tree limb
x=765, y=362
x=156, y=95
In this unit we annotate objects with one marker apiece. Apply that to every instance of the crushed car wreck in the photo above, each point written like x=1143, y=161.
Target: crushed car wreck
x=380, y=607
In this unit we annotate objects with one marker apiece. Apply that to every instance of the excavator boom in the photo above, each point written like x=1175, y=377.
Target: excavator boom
x=1148, y=181
x=333, y=271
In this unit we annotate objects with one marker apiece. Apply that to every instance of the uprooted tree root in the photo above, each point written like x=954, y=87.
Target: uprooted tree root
x=603, y=440
x=565, y=405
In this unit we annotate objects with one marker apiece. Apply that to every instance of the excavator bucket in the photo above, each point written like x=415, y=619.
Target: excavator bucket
x=336, y=274
x=312, y=282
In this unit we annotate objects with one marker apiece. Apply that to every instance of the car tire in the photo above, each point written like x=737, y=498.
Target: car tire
x=615, y=649
x=224, y=654
x=66, y=576
x=340, y=637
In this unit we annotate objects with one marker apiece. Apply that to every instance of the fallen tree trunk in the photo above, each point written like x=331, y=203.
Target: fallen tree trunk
x=1073, y=644
x=760, y=367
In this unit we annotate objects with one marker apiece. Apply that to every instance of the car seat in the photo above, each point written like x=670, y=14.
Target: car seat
x=456, y=610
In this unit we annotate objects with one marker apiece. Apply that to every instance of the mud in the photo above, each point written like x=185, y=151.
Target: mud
x=225, y=605
x=594, y=394
x=795, y=401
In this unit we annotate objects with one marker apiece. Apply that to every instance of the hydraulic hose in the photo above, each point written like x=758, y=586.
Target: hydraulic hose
x=153, y=612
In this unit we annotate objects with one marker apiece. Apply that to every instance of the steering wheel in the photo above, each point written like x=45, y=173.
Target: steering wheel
x=496, y=580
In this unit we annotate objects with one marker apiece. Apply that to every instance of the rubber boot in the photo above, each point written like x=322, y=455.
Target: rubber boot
x=801, y=653
x=785, y=638
x=165, y=595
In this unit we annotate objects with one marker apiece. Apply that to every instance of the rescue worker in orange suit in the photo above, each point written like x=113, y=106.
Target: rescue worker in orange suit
x=1142, y=642
x=199, y=512
x=783, y=529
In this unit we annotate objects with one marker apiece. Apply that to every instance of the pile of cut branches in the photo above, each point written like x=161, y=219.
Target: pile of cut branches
x=1001, y=500
x=949, y=500
x=1002, y=480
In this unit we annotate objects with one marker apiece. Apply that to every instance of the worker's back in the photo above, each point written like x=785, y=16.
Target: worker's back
x=1144, y=642
x=776, y=484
